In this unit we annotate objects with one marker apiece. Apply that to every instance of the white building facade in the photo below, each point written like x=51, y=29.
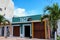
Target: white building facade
x=58, y=29
x=6, y=9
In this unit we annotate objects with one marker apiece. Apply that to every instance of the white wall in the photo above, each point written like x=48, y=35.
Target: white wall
x=9, y=5
x=0, y=31
x=58, y=30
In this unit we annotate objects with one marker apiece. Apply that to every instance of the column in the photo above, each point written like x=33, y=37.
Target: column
x=5, y=31
x=32, y=30
x=11, y=30
x=0, y=31
x=55, y=36
x=45, y=30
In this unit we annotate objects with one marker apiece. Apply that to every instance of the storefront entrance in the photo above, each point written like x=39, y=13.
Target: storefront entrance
x=27, y=31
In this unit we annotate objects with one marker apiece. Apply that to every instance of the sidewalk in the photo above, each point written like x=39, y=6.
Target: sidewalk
x=18, y=38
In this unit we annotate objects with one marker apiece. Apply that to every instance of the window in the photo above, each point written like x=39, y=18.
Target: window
x=0, y=9
x=24, y=19
x=5, y=8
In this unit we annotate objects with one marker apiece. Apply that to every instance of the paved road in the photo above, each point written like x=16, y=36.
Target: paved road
x=18, y=38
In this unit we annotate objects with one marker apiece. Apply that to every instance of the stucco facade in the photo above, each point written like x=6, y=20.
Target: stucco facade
x=31, y=23
x=58, y=29
x=6, y=9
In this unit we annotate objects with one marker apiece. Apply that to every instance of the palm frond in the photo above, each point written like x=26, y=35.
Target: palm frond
x=54, y=14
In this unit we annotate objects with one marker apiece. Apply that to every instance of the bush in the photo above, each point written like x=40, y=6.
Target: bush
x=58, y=37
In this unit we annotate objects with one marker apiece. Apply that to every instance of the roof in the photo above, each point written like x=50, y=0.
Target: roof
x=27, y=21
x=24, y=19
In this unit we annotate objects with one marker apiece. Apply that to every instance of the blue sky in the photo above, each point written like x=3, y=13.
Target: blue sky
x=31, y=7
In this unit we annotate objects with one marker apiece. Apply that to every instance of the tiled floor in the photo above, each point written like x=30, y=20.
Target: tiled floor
x=18, y=38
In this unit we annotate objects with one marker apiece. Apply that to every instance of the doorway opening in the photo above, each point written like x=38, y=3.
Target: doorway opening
x=2, y=31
x=27, y=31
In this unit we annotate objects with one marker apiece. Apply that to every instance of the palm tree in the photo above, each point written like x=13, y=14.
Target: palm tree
x=54, y=15
x=1, y=19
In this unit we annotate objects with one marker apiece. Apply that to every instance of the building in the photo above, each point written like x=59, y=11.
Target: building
x=6, y=9
x=58, y=29
x=30, y=26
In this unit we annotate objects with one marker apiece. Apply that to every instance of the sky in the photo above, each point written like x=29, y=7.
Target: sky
x=31, y=7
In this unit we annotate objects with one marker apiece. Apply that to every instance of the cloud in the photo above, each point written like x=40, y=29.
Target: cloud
x=19, y=12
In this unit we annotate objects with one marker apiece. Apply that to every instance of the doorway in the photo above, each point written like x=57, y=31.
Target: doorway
x=39, y=30
x=2, y=31
x=16, y=31
x=27, y=31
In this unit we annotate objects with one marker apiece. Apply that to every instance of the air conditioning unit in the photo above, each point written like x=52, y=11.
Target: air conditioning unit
x=29, y=19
